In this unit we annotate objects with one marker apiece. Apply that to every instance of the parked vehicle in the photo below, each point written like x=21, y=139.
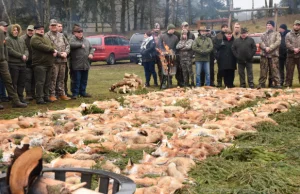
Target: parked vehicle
x=135, y=43
x=257, y=40
x=109, y=48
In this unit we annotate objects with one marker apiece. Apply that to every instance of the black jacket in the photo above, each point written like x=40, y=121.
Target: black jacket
x=244, y=49
x=282, y=48
x=226, y=58
x=149, y=54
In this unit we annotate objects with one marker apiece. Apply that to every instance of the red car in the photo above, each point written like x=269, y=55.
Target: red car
x=257, y=40
x=109, y=48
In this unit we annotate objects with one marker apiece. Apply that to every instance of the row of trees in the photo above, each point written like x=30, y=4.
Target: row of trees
x=122, y=15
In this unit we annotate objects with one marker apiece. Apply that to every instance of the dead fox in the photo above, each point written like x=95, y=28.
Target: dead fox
x=142, y=169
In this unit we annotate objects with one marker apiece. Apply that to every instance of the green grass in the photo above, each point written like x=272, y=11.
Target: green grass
x=263, y=162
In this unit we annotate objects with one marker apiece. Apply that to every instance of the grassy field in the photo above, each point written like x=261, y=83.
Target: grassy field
x=101, y=77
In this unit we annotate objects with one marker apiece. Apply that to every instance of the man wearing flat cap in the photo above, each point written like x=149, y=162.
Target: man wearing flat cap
x=270, y=42
x=292, y=41
x=244, y=49
x=4, y=71
x=43, y=53
x=59, y=67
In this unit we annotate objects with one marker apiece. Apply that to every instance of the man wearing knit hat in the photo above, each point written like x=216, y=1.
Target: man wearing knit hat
x=282, y=52
x=270, y=42
x=292, y=41
x=171, y=41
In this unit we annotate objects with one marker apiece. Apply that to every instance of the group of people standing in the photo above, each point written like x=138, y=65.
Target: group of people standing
x=231, y=49
x=40, y=63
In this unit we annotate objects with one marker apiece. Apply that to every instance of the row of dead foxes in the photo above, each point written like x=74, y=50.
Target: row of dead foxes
x=141, y=123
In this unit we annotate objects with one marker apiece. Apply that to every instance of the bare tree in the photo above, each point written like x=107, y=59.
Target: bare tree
x=135, y=14
x=190, y=11
x=252, y=15
x=167, y=12
x=142, y=6
x=270, y=6
x=123, y=21
x=128, y=16
x=151, y=14
x=46, y=12
x=113, y=16
x=5, y=10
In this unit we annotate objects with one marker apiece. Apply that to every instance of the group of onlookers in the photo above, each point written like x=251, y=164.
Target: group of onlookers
x=40, y=62
x=231, y=49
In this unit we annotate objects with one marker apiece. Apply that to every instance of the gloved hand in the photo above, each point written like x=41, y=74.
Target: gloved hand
x=203, y=53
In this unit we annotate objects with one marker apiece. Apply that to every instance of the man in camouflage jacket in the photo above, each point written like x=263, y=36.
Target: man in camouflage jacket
x=59, y=67
x=292, y=41
x=269, y=56
x=186, y=53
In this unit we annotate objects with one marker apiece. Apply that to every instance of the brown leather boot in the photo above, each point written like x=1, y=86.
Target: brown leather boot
x=64, y=97
x=52, y=98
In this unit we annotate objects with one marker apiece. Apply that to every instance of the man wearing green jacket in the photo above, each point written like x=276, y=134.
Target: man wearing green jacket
x=17, y=57
x=202, y=46
x=43, y=53
x=4, y=72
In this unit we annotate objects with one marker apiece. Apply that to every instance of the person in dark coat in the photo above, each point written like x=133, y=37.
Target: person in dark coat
x=219, y=37
x=17, y=57
x=148, y=53
x=282, y=52
x=30, y=82
x=244, y=49
x=226, y=58
x=169, y=39
x=81, y=54
x=4, y=71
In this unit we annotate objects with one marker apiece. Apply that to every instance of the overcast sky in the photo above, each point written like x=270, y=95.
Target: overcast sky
x=247, y=4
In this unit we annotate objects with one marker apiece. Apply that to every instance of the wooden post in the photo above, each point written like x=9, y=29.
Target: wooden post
x=276, y=16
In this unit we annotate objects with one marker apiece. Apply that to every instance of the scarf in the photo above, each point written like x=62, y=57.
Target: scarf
x=146, y=41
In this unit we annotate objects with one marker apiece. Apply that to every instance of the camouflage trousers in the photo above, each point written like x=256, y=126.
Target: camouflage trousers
x=290, y=67
x=266, y=65
x=187, y=71
x=57, y=85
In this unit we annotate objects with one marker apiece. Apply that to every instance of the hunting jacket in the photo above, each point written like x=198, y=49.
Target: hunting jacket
x=61, y=43
x=185, y=49
x=3, y=47
x=272, y=40
x=292, y=41
x=202, y=46
x=42, y=50
x=16, y=47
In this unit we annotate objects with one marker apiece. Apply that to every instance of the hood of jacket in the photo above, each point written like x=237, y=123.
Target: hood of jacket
x=10, y=30
x=283, y=34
